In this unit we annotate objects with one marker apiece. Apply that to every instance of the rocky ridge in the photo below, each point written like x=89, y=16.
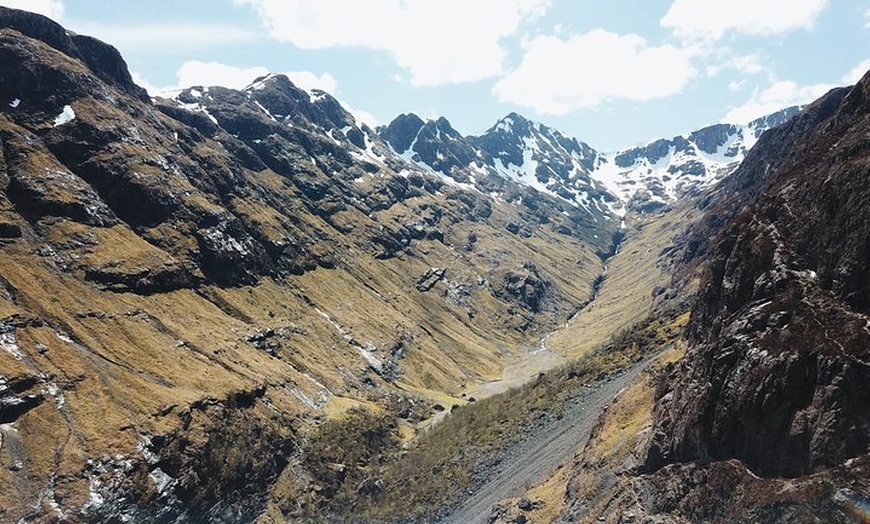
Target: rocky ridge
x=639, y=179
x=764, y=418
x=655, y=175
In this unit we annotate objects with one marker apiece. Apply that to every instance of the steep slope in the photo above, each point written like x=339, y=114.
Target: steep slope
x=190, y=285
x=766, y=418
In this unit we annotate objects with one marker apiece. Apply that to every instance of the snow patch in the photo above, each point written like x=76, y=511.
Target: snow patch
x=308, y=401
x=54, y=390
x=15, y=103
x=66, y=116
x=367, y=354
x=9, y=343
x=144, y=448
x=262, y=108
x=161, y=480
x=197, y=108
x=366, y=351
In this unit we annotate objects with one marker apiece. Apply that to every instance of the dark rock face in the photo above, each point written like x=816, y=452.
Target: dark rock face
x=211, y=469
x=402, y=131
x=104, y=60
x=434, y=144
x=15, y=395
x=652, y=152
x=728, y=492
x=781, y=366
x=710, y=139
x=431, y=277
x=525, y=286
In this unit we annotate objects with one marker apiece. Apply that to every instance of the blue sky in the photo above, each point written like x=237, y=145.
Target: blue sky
x=611, y=73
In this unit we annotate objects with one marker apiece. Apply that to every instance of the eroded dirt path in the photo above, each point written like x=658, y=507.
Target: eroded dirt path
x=545, y=448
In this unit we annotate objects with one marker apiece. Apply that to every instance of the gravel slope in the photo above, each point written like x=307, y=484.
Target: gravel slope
x=547, y=446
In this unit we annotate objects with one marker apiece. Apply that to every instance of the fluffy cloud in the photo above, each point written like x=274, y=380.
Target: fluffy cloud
x=196, y=73
x=437, y=41
x=559, y=76
x=778, y=96
x=169, y=38
x=711, y=19
x=50, y=8
x=857, y=72
x=746, y=64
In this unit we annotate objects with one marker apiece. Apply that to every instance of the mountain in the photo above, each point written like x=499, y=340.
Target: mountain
x=192, y=287
x=508, y=161
x=605, y=185
x=765, y=418
x=663, y=171
x=244, y=305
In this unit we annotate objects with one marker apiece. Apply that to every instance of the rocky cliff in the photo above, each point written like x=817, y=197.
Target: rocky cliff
x=766, y=418
x=781, y=320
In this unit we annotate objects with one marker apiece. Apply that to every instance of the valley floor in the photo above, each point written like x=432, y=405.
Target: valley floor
x=624, y=298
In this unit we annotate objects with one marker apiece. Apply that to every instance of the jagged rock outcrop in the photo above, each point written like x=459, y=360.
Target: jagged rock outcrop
x=526, y=286
x=780, y=368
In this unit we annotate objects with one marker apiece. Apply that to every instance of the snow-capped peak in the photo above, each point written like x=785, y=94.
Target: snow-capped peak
x=662, y=171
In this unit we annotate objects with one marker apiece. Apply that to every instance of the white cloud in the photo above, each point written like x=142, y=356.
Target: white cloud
x=162, y=39
x=143, y=82
x=559, y=76
x=50, y=8
x=746, y=64
x=711, y=19
x=437, y=41
x=361, y=116
x=867, y=16
x=737, y=85
x=778, y=96
x=856, y=73
x=308, y=81
x=196, y=73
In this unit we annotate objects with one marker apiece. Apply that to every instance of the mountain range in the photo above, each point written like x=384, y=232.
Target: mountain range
x=640, y=178
x=248, y=306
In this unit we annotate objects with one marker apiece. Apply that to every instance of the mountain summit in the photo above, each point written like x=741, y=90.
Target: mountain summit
x=603, y=185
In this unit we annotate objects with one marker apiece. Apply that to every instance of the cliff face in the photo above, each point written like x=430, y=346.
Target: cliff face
x=781, y=321
x=779, y=374
x=765, y=418
x=189, y=285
